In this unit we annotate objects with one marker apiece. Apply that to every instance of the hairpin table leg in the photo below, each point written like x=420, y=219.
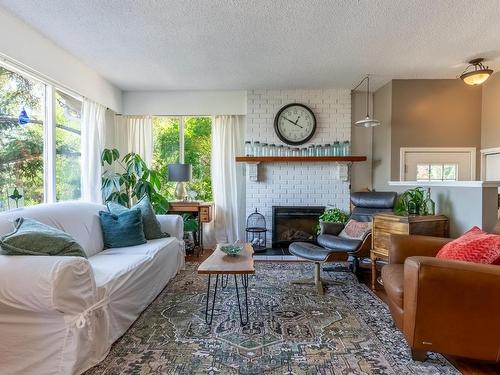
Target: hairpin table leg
x=224, y=280
x=208, y=319
x=244, y=281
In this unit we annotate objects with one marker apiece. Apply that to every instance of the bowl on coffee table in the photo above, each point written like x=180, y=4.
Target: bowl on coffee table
x=231, y=249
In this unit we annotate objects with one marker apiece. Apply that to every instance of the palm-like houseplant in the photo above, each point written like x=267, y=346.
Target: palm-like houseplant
x=132, y=182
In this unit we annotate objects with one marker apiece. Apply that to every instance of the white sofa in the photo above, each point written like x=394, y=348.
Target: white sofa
x=60, y=315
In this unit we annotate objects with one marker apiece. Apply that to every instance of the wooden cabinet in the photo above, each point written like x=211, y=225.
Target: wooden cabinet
x=383, y=225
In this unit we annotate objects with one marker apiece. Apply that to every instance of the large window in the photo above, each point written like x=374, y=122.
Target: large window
x=68, y=171
x=186, y=140
x=39, y=142
x=22, y=108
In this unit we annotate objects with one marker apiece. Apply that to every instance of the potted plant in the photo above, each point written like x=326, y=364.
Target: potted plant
x=412, y=202
x=132, y=181
x=334, y=219
x=191, y=227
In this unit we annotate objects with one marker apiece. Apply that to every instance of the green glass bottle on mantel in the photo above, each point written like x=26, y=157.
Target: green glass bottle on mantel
x=429, y=207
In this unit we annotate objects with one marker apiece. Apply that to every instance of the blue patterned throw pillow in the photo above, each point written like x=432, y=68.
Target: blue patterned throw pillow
x=124, y=229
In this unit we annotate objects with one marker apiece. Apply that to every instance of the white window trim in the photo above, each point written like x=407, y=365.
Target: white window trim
x=49, y=139
x=484, y=153
x=404, y=150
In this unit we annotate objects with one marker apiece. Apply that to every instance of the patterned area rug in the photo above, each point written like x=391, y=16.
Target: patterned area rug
x=291, y=331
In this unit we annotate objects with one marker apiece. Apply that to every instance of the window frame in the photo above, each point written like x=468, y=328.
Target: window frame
x=49, y=125
x=182, y=125
x=442, y=165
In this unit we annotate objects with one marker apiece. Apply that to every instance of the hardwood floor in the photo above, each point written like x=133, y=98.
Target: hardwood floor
x=465, y=366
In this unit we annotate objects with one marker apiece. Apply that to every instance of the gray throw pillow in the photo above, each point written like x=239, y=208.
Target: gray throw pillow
x=151, y=225
x=31, y=237
x=122, y=230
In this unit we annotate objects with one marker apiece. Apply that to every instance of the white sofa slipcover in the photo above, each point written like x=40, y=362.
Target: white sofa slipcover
x=60, y=315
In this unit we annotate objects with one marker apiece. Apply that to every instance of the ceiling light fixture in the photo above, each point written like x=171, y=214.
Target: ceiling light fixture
x=478, y=74
x=367, y=122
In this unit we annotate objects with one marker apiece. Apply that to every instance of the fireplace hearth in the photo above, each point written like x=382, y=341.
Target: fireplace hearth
x=294, y=223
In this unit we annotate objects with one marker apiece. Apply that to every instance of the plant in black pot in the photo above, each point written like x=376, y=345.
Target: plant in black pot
x=191, y=227
x=333, y=218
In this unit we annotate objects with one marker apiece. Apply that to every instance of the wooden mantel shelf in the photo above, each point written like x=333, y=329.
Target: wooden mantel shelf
x=277, y=159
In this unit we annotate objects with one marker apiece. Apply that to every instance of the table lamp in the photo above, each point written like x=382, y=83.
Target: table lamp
x=180, y=173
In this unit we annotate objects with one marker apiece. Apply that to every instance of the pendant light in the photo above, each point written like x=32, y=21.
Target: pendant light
x=367, y=122
x=478, y=74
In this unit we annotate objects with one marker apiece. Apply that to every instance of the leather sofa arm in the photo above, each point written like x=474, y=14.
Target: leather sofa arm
x=404, y=246
x=452, y=307
x=330, y=228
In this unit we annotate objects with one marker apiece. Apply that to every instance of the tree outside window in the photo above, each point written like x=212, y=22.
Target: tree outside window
x=197, y=133
x=21, y=144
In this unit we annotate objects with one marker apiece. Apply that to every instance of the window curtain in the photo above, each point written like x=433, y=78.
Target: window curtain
x=92, y=144
x=228, y=178
x=134, y=134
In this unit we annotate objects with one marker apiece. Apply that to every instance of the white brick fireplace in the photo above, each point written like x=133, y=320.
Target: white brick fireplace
x=293, y=183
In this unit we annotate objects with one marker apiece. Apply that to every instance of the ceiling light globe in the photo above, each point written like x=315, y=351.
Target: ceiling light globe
x=477, y=77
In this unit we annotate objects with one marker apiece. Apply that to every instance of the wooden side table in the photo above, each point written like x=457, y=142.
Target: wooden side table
x=204, y=212
x=220, y=264
x=383, y=225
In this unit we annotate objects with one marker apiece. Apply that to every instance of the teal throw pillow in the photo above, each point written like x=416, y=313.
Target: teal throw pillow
x=30, y=237
x=151, y=225
x=124, y=229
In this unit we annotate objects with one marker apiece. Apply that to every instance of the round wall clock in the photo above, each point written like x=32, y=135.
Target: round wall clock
x=295, y=124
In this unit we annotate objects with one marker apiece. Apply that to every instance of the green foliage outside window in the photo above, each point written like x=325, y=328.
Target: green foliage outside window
x=197, y=152
x=21, y=146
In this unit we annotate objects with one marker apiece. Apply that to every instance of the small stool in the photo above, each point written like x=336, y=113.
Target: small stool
x=318, y=255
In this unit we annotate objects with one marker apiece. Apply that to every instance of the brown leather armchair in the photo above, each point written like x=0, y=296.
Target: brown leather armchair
x=443, y=306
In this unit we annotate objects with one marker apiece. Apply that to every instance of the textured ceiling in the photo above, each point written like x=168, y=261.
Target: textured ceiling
x=224, y=44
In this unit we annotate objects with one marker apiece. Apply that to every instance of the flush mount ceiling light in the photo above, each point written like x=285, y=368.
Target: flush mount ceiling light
x=476, y=73
x=367, y=122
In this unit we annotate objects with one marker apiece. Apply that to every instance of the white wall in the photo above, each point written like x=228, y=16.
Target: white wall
x=27, y=46
x=184, y=103
x=292, y=183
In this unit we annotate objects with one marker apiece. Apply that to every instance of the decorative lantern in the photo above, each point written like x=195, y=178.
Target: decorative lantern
x=256, y=231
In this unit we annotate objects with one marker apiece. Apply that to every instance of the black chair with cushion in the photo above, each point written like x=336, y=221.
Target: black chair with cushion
x=358, y=244
x=338, y=242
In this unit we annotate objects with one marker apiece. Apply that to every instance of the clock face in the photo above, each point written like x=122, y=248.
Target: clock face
x=295, y=124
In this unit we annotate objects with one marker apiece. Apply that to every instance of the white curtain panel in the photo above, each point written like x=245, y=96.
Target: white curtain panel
x=227, y=177
x=140, y=136
x=92, y=144
x=133, y=134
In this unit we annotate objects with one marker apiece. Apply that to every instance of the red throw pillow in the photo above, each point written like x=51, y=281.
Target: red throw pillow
x=473, y=246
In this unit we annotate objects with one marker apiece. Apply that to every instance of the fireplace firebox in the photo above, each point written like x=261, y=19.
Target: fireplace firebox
x=295, y=223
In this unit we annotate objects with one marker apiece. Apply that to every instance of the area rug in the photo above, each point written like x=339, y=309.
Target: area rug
x=291, y=331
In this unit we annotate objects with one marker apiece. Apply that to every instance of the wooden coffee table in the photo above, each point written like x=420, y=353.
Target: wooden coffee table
x=220, y=264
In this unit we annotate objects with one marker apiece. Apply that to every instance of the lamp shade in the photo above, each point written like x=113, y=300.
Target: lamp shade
x=179, y=172
x=476, y=73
